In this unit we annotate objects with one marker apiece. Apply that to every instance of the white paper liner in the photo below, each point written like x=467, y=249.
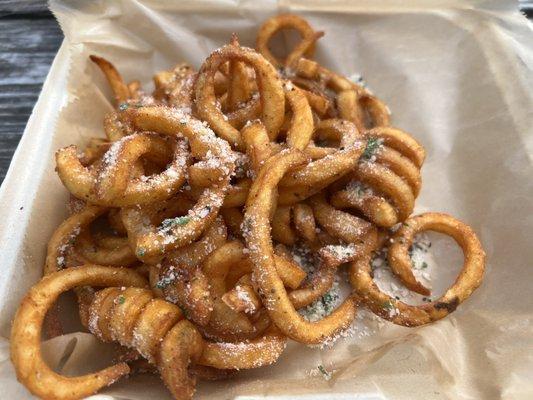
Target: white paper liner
x=456, y=74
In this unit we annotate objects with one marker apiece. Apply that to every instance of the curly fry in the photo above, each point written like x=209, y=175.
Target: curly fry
x=401, y=313
x=26, y=333
x=270, y=287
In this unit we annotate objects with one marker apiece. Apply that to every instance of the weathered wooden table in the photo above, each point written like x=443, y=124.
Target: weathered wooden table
x=29, y=39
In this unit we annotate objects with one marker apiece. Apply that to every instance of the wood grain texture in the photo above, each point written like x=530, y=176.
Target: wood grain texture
x=24, y=7
x=29, y=40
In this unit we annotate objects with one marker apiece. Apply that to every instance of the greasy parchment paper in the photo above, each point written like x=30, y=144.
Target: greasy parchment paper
x=456, y=74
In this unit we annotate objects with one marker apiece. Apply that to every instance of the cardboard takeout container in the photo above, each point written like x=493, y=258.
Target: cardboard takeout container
x=456, y=74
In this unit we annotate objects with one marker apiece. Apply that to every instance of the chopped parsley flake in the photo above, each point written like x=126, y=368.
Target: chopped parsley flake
x=123, y=106
x=323, y=371
x=121, y=299
x=372, y=146
x=184, y=311
x=420, y=245
x=164, y=282
x=388, y=305
x=328, y=300
x=179, y=221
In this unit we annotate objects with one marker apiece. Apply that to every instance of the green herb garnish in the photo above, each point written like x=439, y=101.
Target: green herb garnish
x=424, y=264
x=121, y=299
x=328, y=300
x=388, y=305
x=324, y=372
x=164, y=282
x=141, y=252
x=179, y=221
x=123, y=106
x=372, y=146
x=184, y=312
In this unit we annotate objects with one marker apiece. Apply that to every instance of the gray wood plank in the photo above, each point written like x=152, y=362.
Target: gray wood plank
x=27, y=47
x=23, y=7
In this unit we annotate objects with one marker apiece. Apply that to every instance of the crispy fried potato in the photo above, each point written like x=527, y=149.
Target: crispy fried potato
x=270, y=287
x=401, y=313
x=26, y=333
x=271, y=91
x=287, y=21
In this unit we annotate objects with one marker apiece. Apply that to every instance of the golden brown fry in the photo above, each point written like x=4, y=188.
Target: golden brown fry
x=233, y=217
x=331, y=257
x=318, y=102
x=304, y=221
x=120, y=89
x=244, y=355
x=282, y=230
x=237, y=193
x=111, y=250
x=249, y=111
x=301, y=124
x=242, y=298
x=188, y=287
x=123, y=316
x=287, y=21
x=401, y=166
x=257, y=144
x=307, y=69
x=400, y=141
x=270, y=287
x=111, y=185
x=202, y=174
x=398, y=255
x=26, y=333
x=95, y=149
x=388, y=183
x=401, y=313
x=350, y=109
x=183, y=345
x=134, y=87
x=175, y=87
x=342, y=225
x=375, y=208
x=65, y=236
x=290, y=273
x=204, y=144
x=271, y=91
x=384, y=175
x=376, y=112
x=225, y=323
x=240, y=85
x=114, y=128
x=197, y=252
x=305, y=181
x=99, y=311
x=59, y=251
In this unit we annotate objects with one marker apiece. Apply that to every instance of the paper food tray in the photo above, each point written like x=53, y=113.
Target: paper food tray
x=457, y=75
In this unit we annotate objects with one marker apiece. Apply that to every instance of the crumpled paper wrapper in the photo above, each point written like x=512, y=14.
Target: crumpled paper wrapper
x=456, y=74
